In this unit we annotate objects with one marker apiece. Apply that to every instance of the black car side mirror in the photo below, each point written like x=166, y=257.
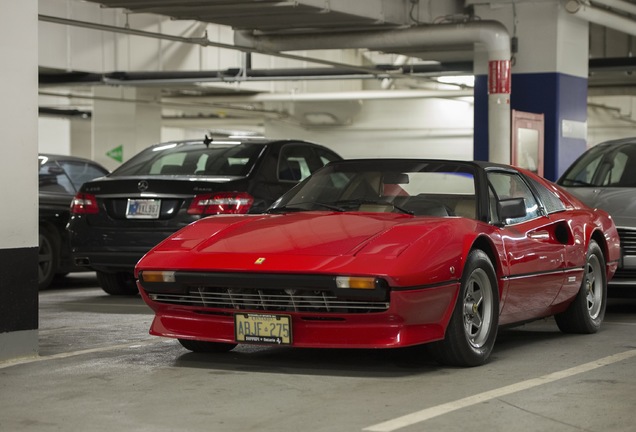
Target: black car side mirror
x=511, y=208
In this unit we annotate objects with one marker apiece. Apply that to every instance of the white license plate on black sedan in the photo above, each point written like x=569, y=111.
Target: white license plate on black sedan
x=143, y=208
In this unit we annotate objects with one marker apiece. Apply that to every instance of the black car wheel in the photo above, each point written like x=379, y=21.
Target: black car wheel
x=206, y=347
x=120, y=283
x=48, y=256
x=472, y=330
x=585, y=314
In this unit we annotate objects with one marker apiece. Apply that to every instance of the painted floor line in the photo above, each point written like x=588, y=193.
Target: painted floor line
x=64, y=355
x=429, y=413
x=619, y=323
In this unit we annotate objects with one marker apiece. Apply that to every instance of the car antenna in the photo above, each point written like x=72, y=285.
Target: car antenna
x=207, y=140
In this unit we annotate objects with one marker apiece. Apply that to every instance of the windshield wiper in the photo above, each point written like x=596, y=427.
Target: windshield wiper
x=379, y=202
x=284, y=209
x=576, y=182
x=299, y=209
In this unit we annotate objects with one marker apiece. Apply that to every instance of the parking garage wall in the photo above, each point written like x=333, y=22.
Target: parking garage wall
x=18, y=176
x=424, y=128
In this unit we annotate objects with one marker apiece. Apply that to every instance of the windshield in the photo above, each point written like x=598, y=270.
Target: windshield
x=607, y=166
x=433, y=188
x=193, y=159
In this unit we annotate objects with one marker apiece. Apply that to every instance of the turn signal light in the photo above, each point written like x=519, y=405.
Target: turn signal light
x=157, y=276
x=221, y=203
x=84, y=203
x=353, y=282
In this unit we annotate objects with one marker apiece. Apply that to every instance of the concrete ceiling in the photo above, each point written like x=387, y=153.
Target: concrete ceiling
x=278, y=17
x=294, y=17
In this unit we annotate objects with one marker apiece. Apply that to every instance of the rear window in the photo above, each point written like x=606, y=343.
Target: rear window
x=66, y=176
x=191, y=159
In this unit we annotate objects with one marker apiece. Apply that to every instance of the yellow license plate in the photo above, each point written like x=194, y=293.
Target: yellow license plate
x=263, y=329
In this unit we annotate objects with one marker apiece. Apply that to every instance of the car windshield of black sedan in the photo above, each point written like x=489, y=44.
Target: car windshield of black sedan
x=415, y=187
x=193, y=159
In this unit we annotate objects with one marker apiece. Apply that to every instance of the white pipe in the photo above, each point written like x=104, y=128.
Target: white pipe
x=202, y=41
x=492, y=34
x=621, y=5
x=601, y=17
x=343, y=96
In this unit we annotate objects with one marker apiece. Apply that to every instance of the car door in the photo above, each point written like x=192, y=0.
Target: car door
x=534, y=245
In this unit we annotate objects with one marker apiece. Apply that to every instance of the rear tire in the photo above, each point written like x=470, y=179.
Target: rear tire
x=206, y=347
x=472, y=330
x=48, y=257
x=120, y=283
x=585, y=314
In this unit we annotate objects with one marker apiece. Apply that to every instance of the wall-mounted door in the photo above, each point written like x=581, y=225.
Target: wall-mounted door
x=527, y=141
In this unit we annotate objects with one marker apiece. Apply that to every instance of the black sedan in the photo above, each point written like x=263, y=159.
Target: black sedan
x=59, y=179
x=117, y=219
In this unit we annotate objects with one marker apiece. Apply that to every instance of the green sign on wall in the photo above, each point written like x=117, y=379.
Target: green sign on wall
x=117, y=153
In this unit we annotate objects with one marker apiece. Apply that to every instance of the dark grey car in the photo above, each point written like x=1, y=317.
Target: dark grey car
x=605, y=177
x=115, y=220
x=60, y=177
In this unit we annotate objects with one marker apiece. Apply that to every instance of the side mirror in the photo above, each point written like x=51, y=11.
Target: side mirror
x=511, y=208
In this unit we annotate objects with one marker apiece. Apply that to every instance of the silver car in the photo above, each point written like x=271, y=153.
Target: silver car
x=605, y=177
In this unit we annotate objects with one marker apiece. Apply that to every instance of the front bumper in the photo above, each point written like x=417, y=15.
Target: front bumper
x=413, y=317
x=112, y=249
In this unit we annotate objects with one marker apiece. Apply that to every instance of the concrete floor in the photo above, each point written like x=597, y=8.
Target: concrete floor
x=99, y=370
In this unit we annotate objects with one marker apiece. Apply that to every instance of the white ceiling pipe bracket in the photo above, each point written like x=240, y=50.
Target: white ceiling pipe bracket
x=492, y=34
x=601, y=17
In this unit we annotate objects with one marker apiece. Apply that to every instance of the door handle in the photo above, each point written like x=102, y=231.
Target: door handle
x=540, y=235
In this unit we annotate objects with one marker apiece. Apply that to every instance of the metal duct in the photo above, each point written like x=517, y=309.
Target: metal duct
x=492, y=34
x=620, y=5
x=601, y=17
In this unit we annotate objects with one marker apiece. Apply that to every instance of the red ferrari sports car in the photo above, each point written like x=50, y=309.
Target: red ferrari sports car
x=383, y=253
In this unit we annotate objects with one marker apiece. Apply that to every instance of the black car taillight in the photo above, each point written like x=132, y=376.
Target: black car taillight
x=221, y=203
x=84, y=203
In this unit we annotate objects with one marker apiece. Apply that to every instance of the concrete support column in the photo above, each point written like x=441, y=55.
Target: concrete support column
x=81, y=137
x=18, y=176
x=549, y=76
x=125, y=121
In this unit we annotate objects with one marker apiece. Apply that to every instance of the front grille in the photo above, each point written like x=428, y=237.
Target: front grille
x=287, y=300
x=628, y=241
x=626, y=274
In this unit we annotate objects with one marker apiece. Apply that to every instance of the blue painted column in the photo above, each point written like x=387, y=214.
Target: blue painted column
x=549, y=76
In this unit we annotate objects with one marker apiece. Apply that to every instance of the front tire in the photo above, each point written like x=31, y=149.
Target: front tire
x=120, y=283
x=206, y=347
x=472, y=330
x=585, y=314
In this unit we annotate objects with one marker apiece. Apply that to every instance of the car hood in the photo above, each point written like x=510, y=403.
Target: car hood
x=306, y=233
x=310, y=240
x=620, y=203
